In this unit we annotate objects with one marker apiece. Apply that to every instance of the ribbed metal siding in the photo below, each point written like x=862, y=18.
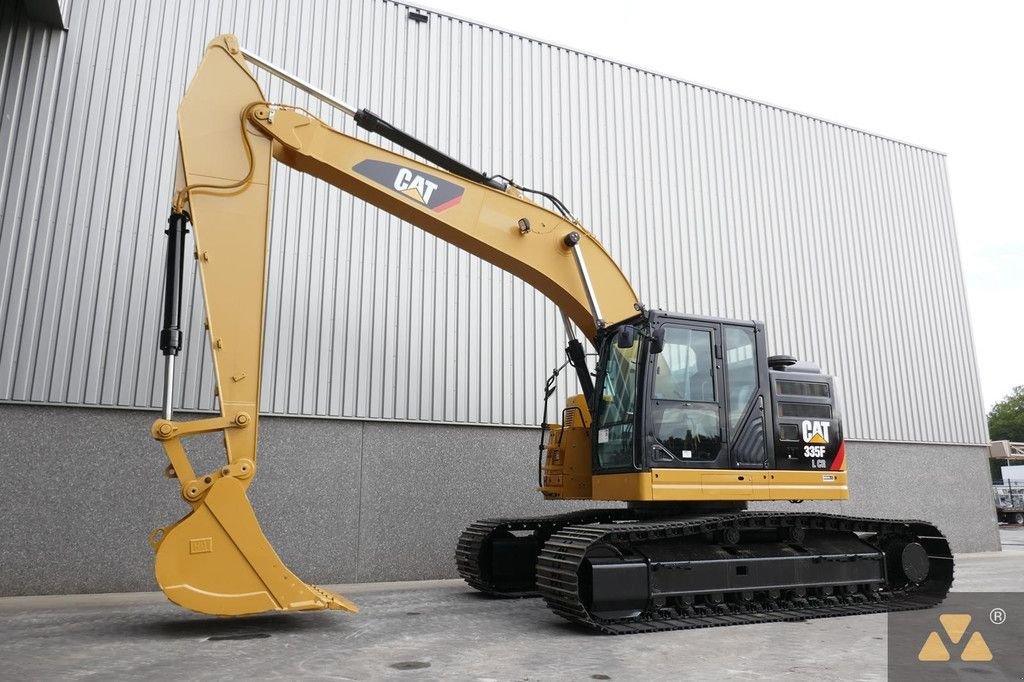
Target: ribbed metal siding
x=843, y=242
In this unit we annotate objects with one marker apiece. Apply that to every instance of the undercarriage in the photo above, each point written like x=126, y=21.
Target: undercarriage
x=625, y=571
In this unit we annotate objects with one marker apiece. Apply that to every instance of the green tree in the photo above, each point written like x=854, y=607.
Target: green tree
x=1006, y=419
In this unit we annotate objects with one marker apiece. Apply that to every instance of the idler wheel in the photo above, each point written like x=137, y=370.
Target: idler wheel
x=914, y=560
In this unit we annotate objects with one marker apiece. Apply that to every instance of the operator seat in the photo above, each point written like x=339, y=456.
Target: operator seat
x=702, y=385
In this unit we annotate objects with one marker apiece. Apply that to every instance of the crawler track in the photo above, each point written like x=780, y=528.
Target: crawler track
x=473, y=554
x=848, y=565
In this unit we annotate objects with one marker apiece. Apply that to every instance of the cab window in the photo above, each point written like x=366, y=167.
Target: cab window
x=741, y=372
x=685, y=414
x=616, y=409
x=683, y=369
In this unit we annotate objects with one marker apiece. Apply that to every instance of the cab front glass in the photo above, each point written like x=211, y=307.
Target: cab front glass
x=616, y=397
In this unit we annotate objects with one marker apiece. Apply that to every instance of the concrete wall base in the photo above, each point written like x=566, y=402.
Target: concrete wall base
x=350, y=501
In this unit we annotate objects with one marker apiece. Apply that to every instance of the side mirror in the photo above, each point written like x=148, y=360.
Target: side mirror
x=626, y=336
x=658, y=340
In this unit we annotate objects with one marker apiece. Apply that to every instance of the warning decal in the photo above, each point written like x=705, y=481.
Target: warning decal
x=435, y=193
x=815, y=432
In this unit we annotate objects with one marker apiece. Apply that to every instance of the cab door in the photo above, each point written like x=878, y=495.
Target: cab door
x=745, y=400
x=686, y=419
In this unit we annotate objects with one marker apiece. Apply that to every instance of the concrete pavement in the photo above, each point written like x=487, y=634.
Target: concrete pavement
x=437, y=630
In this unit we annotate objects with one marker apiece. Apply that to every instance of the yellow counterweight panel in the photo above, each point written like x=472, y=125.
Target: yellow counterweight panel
x=679, y=485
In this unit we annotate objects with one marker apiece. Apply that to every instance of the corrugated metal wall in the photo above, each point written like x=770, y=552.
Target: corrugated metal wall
x=843, y=242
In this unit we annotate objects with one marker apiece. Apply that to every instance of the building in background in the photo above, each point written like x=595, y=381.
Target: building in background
x=401, y=373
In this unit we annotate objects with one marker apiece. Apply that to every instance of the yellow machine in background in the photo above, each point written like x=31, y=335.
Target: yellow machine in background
x=688, y=420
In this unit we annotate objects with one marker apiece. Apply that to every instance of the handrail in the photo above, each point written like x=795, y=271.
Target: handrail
x=1004, y=449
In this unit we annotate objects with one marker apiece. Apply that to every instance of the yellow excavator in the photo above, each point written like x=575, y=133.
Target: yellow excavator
x=685, y=419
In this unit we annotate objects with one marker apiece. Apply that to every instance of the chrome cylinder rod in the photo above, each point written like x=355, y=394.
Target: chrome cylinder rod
x=572, y=240
x=170, y=335
x=298, y=82
x=570, y=333
x=168, y=386
x=367, y=120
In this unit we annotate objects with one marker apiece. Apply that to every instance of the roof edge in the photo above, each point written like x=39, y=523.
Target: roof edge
x=659, y=74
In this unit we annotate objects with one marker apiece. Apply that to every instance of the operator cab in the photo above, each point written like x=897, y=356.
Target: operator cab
x=707, y=398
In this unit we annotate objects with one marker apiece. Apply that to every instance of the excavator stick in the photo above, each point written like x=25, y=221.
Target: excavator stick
x=216, y=559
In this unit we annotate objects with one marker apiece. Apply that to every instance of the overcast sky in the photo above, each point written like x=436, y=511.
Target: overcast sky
x=943, y=75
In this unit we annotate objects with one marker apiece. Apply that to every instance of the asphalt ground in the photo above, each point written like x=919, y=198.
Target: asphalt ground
x=437, y=630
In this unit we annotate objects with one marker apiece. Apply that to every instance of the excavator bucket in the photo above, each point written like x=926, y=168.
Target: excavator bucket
x=216, y=560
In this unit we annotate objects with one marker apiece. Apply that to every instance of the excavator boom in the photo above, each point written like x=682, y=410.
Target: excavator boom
x=216, y=559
